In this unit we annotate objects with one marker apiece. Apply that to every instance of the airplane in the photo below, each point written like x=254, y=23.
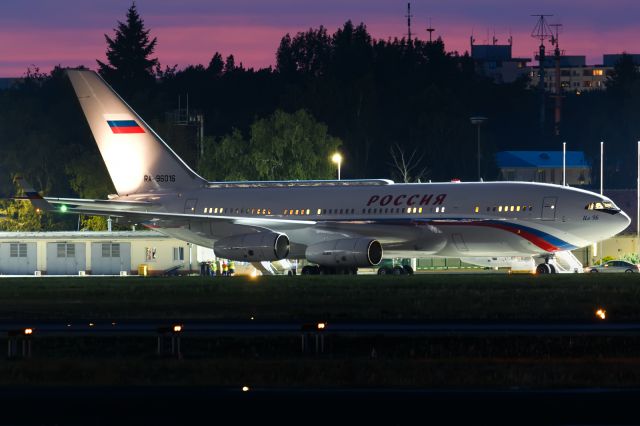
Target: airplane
x=338, y=226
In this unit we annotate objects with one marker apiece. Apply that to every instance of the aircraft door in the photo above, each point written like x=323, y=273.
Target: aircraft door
x=549, y=208
x=190, y=206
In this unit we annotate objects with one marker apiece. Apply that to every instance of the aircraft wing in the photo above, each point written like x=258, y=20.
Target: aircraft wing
x=143, y=212
x=147, y=213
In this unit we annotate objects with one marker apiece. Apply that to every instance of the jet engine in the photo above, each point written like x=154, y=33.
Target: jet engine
x=352, y=252
x=257, y=247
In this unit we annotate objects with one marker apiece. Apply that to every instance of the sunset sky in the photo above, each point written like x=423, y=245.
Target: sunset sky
x=71, y=32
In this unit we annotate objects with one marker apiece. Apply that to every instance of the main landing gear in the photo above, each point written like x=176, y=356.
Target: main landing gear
x=396, y=270
x=329, y=270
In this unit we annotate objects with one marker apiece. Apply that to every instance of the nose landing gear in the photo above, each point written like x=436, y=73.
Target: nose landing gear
x=546, y=268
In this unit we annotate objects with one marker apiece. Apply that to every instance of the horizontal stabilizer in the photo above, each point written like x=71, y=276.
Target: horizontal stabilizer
x=32, y=195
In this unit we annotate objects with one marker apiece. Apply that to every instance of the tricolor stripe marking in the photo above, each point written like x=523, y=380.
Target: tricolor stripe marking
x=545, y=241
x=541, y=239
x=124, y=126
x=32, y=195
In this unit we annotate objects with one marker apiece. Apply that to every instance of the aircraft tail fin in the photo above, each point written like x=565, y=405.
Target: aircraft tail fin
x=137, y=159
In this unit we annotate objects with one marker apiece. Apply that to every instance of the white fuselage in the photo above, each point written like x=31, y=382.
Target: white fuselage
x=438, y=219
x=345, y=223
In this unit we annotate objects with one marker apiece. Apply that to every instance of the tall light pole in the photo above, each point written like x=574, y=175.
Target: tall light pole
x=478, y=120
x=601, y=185
x=337, y=158
x=601, y=168
x=564, y=163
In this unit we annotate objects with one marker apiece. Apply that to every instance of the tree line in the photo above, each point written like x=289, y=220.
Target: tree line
x=382, y=103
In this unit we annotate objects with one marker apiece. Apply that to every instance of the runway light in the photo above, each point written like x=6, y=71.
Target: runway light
x=28, y=331
x=63, y=208
x=177, y=328
x=601, y=313
x=252, y=318
x=91, y=324
x=321, y=325
x=245, y=389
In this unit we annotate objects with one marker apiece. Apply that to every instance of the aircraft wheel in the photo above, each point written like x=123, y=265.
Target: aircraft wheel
x=308, y=270
x=408, y=270
x=594, y=271
x=398, y=270
x=629, y=271
x=543, y=268
x=553, y=269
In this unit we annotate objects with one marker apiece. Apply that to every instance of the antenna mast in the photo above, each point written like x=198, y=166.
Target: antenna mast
x=541, y=32
x=409, y=16
x=555, y=41
x=430, y=30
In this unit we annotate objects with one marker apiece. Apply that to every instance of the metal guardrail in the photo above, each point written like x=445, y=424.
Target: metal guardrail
x=255, y=328
x=20, y=336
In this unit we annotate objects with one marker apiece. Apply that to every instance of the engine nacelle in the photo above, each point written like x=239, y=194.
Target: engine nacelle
x=359, y=252
x=257, y=247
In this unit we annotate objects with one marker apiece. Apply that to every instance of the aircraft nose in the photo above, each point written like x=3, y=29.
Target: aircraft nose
x=623, y=220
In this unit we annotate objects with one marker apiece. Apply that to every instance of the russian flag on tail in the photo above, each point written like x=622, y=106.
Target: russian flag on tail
x=125, y=126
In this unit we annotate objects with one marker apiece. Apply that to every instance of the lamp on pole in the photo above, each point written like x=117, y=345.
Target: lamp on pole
x=337, y=158
x=478, y=120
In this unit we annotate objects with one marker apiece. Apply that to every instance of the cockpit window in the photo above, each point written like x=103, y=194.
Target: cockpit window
x=603, y=206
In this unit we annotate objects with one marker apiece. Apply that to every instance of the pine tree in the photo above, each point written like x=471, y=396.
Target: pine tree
x=129, y=65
